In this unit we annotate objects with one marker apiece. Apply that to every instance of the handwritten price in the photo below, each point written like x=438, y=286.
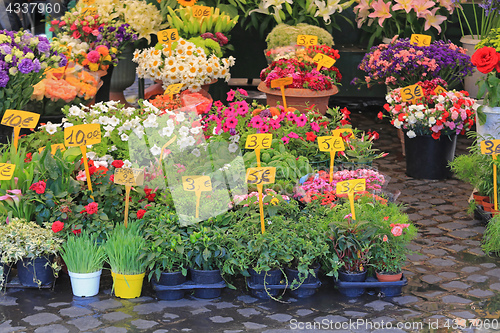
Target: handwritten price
x=284, y=81
x=411, y=93
x=420, y=40
x=261, y=176
x=323, y=61
x=351, y=186
x=201, y=11
x=89, y=11
x=82, y=135
x=490, y=147
x=330, y=143
x=307, y=40
x=259, y=141
x=197, y=183
x=6, y=171
x=168, y=36
x=439, y=90
x=21, y=119
x=173, y=89
x=129, y=177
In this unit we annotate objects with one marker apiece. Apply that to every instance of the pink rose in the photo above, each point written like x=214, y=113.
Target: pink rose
x=397, y=230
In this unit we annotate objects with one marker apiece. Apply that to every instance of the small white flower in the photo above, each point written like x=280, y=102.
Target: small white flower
x=103, y=120
x=167, y=131
x=139, y=132
x=155, y=150
x=67, y=125
x=233, y=147
x=397, y=123
x=113, y=121
x=196, y=152
x=180, y=117
x=412, y=119
x=411, y=134
x=100, y=164
x=124, y=137
x=184, y=131
x=112, y=148
x=150, y=121
x=108, y=128
x=235, y=138
x=432, y=120
x=127, y=164
x=51, y=128
x=419, y=115
x=195, y=130
x=91, y=155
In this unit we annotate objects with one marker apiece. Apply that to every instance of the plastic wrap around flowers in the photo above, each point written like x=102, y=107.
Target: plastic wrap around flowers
x=185, y=63
x=436, y=114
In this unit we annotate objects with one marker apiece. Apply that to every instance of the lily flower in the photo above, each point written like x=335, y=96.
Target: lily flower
x=433, y=20
x=382, y=11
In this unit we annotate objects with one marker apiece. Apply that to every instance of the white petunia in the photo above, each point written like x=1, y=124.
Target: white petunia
x=195, y=130
x=411, y=134
x=127, y=164
x=91, y=155
x=184, y=131
x=155, y=150
x=51, y=128
x=67, y=125
x=233, y=147
x=113, y=121
x=196, y=152
x=150, y=121
x=124, y=137
x=109, y=128
x=167, y=131
x=180, y=117
x=101, y=164
x=139, y=132
x=103, y=120
x=112, y=148
x=234, y=138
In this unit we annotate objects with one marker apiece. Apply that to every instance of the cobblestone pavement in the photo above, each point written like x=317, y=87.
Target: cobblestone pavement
x=450, y=280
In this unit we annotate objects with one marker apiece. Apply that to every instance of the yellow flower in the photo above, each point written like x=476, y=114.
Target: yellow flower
x=94, y=67
x=275, y=201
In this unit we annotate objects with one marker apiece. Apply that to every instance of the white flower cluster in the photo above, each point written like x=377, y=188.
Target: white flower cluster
x=187, y=64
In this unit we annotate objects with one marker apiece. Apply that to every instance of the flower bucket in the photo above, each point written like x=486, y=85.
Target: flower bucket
x=127, y=286
x=352, y=277
x=272, y=277
x=85, y=284
x=300, y=292
x=35, y=272
x=469, y=44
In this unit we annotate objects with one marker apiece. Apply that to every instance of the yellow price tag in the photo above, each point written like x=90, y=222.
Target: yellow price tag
x=284, y=81
x=420, y=40
x=261, y=176
x=323, y=61
x=21, y=119
x=339, y=131
x=53, y=148
x=82, y=135
x=173, y=89
x=330, y=143
x=307, y=40
x=89, y=11
x=88, y=2
x=187, y=3
x=490, y=147
x=259, y=141
x=201, y=11
x=411, y=93
x=197, y=183
x=168, y=36
x=129, y=177
x=6, y=171
x=351, y=186
x=439, y=90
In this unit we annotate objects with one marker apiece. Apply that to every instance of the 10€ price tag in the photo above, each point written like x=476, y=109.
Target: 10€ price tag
x=420, y=40
x=89, y=11
x=490, y=147
x=129, y=177
x=284, y=81
x=330, y=143
x=168, y=36
x=21, y=119
x=261, y=176
x=82, y=135
x=53, y=148
x=6, y=171
x=173, y=89
x=307, y=40
x=259, y=141
x=411, y=93
x=323, y=61
x=201, y=11
x=351, y=186
x=197, y=183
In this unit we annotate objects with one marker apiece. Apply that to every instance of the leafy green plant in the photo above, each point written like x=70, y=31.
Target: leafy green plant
x=491, y=237
x=83, y=254
x=207, y=248
x=123, y=249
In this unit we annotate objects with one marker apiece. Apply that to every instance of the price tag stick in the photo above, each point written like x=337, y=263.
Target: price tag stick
x=198, y=196
x=165, y=146
x=282, y=88
x=86, y=165
x=16, y=132
x=351, y=203
x=261, y=209
x=127, y=196
x=332, y=159
x=495, y=190
x=257, y=154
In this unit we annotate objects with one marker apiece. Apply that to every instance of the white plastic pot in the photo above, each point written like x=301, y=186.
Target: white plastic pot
x=85, y=284
x=492, y=125
x=469, y=43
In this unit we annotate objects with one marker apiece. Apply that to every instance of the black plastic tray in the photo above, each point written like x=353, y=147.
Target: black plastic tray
x=355, y=289
x=188, y=285
x=15, y=283
x=283, y=286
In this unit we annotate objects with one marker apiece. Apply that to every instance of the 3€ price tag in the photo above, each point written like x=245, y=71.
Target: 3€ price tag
x=284, y=81
x=411, y=93
x=173, y=89
x=82, y=135
x=341, y=131
x=129, y=177
x=168, y=36
x=490, y=147
x=201, y=11
x=261, y=176
x=439, y=90
x=89, y=11
x=21, y=119
x=330, y=143
x=351, y=186
x=6, y=171
x=53, y=148
x=88, y=2
x=307, y=40
x=197, y=183
x=323, y=61
x=259, y=141
x=420, y=40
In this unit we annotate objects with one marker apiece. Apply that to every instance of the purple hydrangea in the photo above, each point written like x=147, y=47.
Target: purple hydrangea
x=26, y=66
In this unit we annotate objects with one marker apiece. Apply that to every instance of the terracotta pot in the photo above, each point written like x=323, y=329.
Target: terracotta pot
x=300, y=99
x=480, y=198
x=488, y=206
x=382, y=277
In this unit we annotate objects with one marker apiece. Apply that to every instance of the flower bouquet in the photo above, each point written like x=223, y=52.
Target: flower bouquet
x=401, y=63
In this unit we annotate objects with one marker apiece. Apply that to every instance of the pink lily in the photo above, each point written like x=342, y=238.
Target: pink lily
x=382, y=11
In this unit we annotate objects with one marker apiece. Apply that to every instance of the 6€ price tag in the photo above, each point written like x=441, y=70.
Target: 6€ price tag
x=53, y=148
x=82, y=135
x=351, y=186
x=490, y=147
x=173, y=89
x=89, y=11
x=197, y=183
x=21, y=119
x=201, y=11
x=259, y=141
x=284, y=81
x=129, y=177
x=420, y=40
x=439, y=90
x=330, y=143
x=410, y=93
x=307, y=40
x=168, y=36
x=323, y=61
x=261, y=176
x=6, y=171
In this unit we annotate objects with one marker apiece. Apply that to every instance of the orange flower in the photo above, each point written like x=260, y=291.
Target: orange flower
x=103, y=50
x=274, y=111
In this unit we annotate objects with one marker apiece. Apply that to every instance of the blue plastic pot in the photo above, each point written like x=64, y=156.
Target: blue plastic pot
x=35, y=272
x=206, y=277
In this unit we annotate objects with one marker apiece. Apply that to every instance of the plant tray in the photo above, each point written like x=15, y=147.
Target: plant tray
x=188, y=285
x=172, y=293
x=355, y=289
x=270, y=290
x=15, y=283
x=282, y=286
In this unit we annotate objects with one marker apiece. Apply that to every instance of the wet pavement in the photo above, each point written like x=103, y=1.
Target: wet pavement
x=452, y=285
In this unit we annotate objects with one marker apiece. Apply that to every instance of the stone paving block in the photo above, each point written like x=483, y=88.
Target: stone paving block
x=200, y=310
x=472, y=242
x=464, y=314
x=330, y=319
x=425, y=222
x=56, y=328
x=170, y=315
x=38, y=308
x=433, y=231
x=224, y=305
x=434, y=294
x=85, y=323
x=7, y=300
x=233, y=331
x=436, y=252
x=58, y=304
x=115, y=316
x=494, y=272
x=428, y=212
x=141, y=299
x=106, y=304
x=75, y=311
x=451, y=226
x=481, y=293
x=247, y=312
x=148, y=308
x=470, y=269
x=456, y=248
x=455, y=299
x=220, y=319
x=247, y=299
x=42, y=318
x=355, y=314
x=144, y=324
x=441, y=262
x=253, y=326
x=6, y=327
x=416, y=257
x=113, y=329
x=488, y=265
x=160, y=331
x=448, y=275
x=378, y=305
x=463, y=234
x=281, y=317
x=444, y=239
x=442, y=218
x=495, y=286
x=436, y=201
x=455, y=285
x=477, y=278
x=431, y=279
x=407, y=299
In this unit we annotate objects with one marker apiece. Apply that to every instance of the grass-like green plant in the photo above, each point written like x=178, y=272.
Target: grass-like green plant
x=83, y=254
x=491, y=237
x=124, y=248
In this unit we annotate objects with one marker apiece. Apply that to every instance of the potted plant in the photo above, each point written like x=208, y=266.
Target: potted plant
x=33, y=248
x=123, y=249
x=84, y=257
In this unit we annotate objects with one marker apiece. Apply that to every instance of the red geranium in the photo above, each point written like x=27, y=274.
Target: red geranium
x=117, y=163
x=39, y=187
x=91, y=208
x=140, y=213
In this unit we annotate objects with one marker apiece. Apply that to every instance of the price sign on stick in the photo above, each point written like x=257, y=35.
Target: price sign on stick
x=492, y=147
x=168, y=36
x=307, y=40
x=201, y=11
x=258, y=142
x=323, y=61
x=88, y=2
x=420, y=40
x=411, y=93
x=173, y=89
x=187, y=3
x=89, y=11
x=6, y=171
x=83, y=136
x=349, y=187
x=281, y=83
x=53, y=148
x=439, y=90
x=19, y=119
x=197, y=184
x=259, y=177
x=128, y=177
x=332, y=144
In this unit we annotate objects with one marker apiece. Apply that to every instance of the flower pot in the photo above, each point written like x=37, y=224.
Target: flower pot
x=388, y=277
x=427, y=158
x=35, y=272
x=272, y=277
x=491, y=128
x=469, y=43
x=127, y=286
x=6, y=273
x=488, y=206
x=352, y=277
x=103, y=92
x=300, y=292
x=301, y=99
x=206, y=277
x=480, y=198
x=123, y=75
x=206, y=87
x=170, y=279
x=85, y=284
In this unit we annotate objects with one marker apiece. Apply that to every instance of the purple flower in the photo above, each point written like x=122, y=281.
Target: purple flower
x=265, y=114
x=25, y=66
x=43, y=46
x=63, y=62
x=36, y=66
x=4, y=79
x=6, y=49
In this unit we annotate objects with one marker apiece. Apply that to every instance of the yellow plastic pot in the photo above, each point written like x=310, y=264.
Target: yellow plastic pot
x=127, y=286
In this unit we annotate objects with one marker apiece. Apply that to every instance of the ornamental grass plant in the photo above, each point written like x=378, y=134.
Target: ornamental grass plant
x=124, y=248
x=83, y=254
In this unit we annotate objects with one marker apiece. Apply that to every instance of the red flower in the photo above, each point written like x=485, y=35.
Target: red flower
x=92, y=169
x=436, y=135
x=39, y=187
x=91, y=208
x=117, y=163
x=485, y=59
x=76, y=231
x=28, y=158
x=310, y=136
x=57, y=226
x=112, y=178
x=380, y=115
x=140, y=213
x=151, y=197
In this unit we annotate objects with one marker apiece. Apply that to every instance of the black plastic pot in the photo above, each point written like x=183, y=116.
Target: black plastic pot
x=206, y=277
x=272, y=277
x=103, y=92
x=301, y=292
x=35, y=272
x=352, y=277
x=170, y=279
x=427, y=158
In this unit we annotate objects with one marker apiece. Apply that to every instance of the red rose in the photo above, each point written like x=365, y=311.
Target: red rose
x=57, y=226
x=485, y=59
x=92, y=170
x=91, y=208
x=140, y=213
x=117, y=163
x=151, y=197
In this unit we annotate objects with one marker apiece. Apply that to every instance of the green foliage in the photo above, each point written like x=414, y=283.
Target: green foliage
x=124, y=248
x=83, y=254
x=491, y=237
x=207, y=248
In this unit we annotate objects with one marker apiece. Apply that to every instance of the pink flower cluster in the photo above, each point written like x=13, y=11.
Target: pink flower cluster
x=397, y=228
